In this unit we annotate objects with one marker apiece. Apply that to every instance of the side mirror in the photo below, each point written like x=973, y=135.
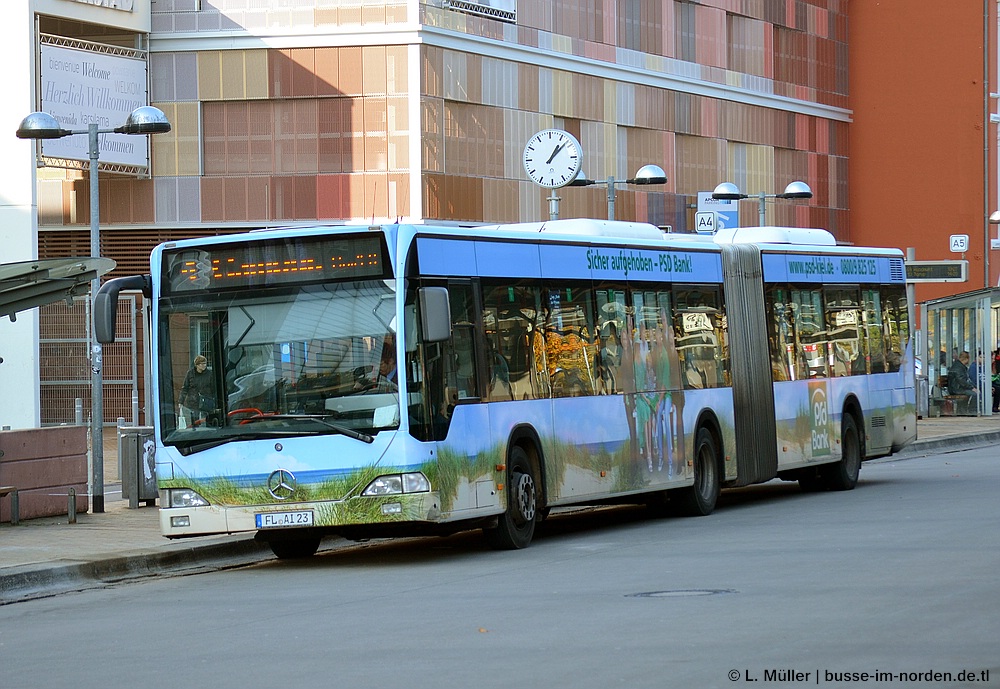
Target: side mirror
x=435, y=311
x=106, y=304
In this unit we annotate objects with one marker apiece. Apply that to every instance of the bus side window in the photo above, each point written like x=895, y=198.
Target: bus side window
x=610, y=304
x=896, y=325
x=700, y=337
x=873, y=330
x=810, y=335
x=568, y=346
x=520, y=321
x=644, y=343
x=781, y=341
x=843, y=323
x=464, y=376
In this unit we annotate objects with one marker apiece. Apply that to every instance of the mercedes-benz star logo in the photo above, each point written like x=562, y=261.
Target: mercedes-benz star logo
x=281, y=484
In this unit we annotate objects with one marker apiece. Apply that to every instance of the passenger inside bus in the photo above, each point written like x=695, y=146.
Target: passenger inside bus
x=499, y=385
x=609, y=359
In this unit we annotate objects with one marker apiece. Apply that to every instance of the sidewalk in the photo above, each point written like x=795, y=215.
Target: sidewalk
x=45, y=556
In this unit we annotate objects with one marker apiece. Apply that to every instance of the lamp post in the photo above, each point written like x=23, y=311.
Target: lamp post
x=39, y=126
x=727, y=191
x=647, y=174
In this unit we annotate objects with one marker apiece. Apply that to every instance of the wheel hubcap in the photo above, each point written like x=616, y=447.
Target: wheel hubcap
x=524, y=496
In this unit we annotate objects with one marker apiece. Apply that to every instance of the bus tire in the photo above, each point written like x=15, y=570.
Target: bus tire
x=843, y=475
x=294, y=548
x=699, y=499
x=516, y=527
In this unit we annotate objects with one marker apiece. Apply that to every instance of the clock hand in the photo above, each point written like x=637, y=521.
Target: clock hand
x=555, y=152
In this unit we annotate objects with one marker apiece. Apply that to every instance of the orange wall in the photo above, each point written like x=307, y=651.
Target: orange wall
x=917, y=144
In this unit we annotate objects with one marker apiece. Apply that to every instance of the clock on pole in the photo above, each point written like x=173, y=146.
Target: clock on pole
x=552, y=158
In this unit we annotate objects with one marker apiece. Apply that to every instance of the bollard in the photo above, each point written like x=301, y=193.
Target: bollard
x=15, y=508
x=72, y=506
x=78, y=411
x=135, y=407
x=121, y=425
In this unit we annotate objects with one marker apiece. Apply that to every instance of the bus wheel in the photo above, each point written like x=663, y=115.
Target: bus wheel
x=516, y=527
x=699, y=500
x=294, y=548
x=844, y=474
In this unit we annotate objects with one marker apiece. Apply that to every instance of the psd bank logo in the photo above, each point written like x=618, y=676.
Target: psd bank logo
x=819, y=411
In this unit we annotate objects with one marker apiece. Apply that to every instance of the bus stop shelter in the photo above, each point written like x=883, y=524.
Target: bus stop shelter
x=968, y=322
x=28, y=284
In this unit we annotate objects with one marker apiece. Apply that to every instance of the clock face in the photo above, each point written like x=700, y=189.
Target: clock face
x=552, y=158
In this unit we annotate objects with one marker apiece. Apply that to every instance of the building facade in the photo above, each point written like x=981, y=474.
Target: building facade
x=303, y=111
x=923, y=159
x=297, y=111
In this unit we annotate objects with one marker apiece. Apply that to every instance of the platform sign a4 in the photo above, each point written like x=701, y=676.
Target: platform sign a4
x=727, y=213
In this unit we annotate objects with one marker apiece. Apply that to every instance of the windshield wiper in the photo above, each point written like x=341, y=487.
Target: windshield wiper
x=190, y=447
x=200, y=446
x=318, y=418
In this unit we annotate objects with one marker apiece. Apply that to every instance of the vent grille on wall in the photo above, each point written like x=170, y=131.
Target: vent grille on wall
x=483, y=8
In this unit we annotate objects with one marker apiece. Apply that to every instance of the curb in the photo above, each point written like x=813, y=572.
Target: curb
x=947, y=443
x=41, y=581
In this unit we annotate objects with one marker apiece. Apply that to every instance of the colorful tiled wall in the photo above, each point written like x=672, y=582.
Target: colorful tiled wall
x=335, y=128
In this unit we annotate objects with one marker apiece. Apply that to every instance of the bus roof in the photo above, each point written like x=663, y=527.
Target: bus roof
x=588, y=227
x=775, y=235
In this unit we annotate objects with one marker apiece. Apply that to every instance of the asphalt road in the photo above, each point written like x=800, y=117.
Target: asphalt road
x=897, y=579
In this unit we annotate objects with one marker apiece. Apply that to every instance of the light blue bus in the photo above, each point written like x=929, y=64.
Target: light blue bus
x=416, y=379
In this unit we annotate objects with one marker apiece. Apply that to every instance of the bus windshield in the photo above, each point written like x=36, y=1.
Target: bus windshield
x=291, y=360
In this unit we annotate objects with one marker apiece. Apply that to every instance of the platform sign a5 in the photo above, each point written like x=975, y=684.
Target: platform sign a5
x=959, y=243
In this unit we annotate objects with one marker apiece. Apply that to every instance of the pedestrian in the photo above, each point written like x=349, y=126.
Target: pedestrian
x=995, y=381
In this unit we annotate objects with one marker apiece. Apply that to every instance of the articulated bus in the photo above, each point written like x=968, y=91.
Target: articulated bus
x=414, y=379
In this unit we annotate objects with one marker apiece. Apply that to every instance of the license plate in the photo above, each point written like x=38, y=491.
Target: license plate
x=276, y=520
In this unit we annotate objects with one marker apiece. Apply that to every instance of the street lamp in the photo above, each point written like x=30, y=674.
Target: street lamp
x=40, y=126
x=727, y=191
x=647, y=174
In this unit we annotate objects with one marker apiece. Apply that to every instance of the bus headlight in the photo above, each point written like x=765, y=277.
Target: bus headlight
x=397, y=484
x=184, y=497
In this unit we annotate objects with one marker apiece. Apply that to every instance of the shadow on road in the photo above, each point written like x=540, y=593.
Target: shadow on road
x=560, y=524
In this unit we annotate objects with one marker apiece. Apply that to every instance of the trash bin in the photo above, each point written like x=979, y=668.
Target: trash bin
x=137, y=454
x=923, y=397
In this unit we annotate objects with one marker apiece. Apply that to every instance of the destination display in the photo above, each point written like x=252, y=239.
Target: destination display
x=937, y=271
x=272, y=263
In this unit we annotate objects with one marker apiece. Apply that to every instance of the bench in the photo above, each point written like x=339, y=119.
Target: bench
x=956, y=405
x=15, y=506
x=943, y=403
